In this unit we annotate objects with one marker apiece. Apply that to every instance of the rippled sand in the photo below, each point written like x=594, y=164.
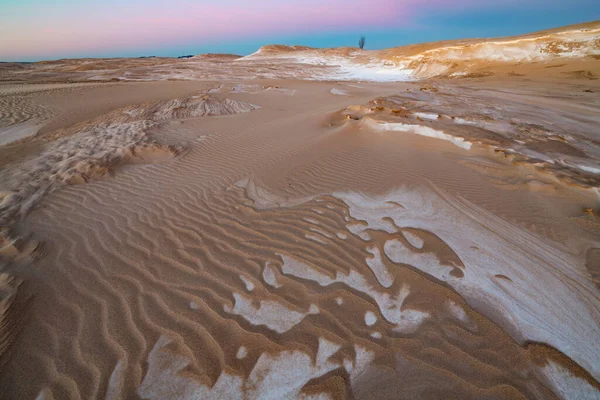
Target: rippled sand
x=291, y=239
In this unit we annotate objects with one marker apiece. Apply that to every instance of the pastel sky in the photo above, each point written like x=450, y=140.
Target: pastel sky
x=50, y=29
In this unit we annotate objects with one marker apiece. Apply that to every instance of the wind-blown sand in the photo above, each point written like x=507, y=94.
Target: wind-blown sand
x=258, y=232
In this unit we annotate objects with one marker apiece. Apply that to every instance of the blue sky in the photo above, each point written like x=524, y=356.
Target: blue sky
x=34, y=29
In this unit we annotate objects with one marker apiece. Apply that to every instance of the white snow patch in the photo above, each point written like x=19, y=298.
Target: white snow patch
x=115, y=383
x=357, y=230
x=370, y=318
x=418, y=130
x=458, y=312
x=376, y=335
x=269, y=313
x=428, y=262
x=269, y=275
x=587, y=168
x=364, y=358
x=569, y=386
x=247, y=282
x=15, y=132
x=241, y=353
x=163, y=379
x=339, y=92
x=390, y=304
x=321, y=232
x=552, y=302
x=429, y=116
x=413, y=239
x=274, y=376
x=282, y=376
x=379, y=269
x=342, y=235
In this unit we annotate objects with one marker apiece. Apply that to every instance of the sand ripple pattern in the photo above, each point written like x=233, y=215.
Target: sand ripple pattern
x=233, y=300
x=17, y=109
x=98, y=146
x=207, y=278
x=95, y=149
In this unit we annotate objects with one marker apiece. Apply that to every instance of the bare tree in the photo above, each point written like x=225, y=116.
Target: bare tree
x=361, y=42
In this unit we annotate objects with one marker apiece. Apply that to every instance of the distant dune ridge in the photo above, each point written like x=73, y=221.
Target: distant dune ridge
x=580, y=44
x=451, y=58
x=299, y=223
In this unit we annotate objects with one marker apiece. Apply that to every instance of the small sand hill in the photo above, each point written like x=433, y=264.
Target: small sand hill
x=468, y=57
x=308, y=54
x=277, y=49
x=95, y=147
x=217, y=57
x=463, y=58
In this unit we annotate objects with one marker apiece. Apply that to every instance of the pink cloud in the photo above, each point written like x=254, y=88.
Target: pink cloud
x=75, y=31
x=84, y=27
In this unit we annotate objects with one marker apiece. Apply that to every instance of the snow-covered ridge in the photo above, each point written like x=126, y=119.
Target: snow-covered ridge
x=577, y=43
x=429, y=60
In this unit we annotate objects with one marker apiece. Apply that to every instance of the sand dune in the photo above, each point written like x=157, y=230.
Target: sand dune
x=478, y=57
x=241, y=236
x=570, y=51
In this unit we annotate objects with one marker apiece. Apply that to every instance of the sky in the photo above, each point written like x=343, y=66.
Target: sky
x=32, y=30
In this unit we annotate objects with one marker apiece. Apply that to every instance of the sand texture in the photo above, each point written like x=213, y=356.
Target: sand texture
x=273, y=227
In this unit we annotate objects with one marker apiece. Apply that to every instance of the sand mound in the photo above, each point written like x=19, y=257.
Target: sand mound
x=475, y=58
x=276, y=49
x=98, y=146
x=564, y=148
x=218, y=56
x=466, y=58
x=191, y=107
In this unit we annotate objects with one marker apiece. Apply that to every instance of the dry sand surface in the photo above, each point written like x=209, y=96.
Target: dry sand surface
x=263, y=228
